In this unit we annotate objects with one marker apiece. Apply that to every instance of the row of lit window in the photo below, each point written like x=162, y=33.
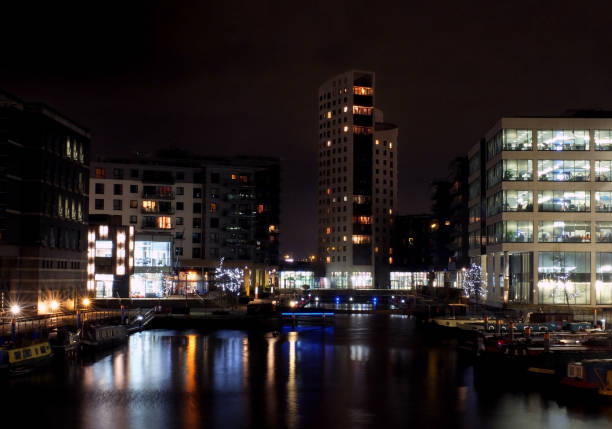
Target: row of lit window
x=558, y=231
x=548, y=171
x=548, y=140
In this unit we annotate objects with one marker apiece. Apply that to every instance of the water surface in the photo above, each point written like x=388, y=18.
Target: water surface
x=366, y=371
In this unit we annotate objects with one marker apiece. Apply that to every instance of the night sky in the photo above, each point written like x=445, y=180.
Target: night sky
x=231, y=77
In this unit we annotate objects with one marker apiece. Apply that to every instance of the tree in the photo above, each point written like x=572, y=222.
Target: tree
x=474, y=285
x=230, y=280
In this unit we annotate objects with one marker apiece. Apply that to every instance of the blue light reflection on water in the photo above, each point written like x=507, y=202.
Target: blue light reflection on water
x=365, y=371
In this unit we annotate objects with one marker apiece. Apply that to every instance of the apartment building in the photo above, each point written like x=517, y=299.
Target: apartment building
x=357, y=183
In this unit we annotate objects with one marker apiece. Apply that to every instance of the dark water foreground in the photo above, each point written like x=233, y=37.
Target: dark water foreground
x=367, y=371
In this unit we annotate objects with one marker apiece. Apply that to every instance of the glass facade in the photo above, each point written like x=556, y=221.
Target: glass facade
x=517, y=139
x=152, y=254
x=474, y=164
x=603, y=171
x=339, y=280
x=474, y=190
x=564, y=201
x=603, y=232
x=517, y=201
x=104, y=249
x=564, y=277
x=518, y=169
x=560, y=231
x=560, y=140
x=520, y=274
x=361, y=280
x=408, y=280
x=474, y=214
x=494, y=175
x=296, y=279
x=603, y=202
x=510, y=201
x=603, y=282
x=147, y=285
x=603, y=139
x=559, y=170
x=510, y=231
x=104, y=285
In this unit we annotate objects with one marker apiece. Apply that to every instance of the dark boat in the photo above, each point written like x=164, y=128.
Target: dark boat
x=590, y=375
x=16, y=360
x=98, y=337
x=65, y=343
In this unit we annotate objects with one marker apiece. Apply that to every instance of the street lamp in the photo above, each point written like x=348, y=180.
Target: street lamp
x=86, y=302
x=15, y=309
x=54, y=305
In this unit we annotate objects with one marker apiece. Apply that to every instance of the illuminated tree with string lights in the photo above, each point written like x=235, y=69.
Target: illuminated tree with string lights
x=230, y=280
x=474, y=285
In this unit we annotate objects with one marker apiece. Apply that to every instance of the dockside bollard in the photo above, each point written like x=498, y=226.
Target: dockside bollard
x=547, y=341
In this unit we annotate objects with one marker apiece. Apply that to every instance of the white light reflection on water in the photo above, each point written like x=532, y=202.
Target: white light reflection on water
x=292, y=395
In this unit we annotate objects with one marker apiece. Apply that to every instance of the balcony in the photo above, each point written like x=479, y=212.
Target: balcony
x=362, y=120
x=362, y=229
x=363, y=100
x=158, y=196
x=160, y=211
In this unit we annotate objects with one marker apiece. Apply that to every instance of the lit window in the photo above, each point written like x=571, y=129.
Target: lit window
x=234, y=177
x=345, y=109
x=328, y=259
x=260, y=208
x=100, y=173
x=328, y=191
x=377, y=141
x=329, y=115
x=271, y=228
x=103, y=231
x=149, y=206
x=328, y=230
x=361, y=239
x=390, y=260
x=213, y=207
x=163, y=222
x=344, y=238
x=390, y=145
x=328, y=143
x=390, y=211
x=346, y=128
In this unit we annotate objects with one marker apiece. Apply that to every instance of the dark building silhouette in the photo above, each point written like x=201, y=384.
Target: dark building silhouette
x=412, y=243
x=44, y=174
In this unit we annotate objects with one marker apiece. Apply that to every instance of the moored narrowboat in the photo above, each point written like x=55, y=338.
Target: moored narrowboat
x=16, y=360
x=100, y=337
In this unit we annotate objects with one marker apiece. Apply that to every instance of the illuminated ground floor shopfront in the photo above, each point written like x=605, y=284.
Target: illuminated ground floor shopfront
x=550, y=277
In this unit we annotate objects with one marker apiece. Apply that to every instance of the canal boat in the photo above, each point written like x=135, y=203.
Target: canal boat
x=65, y=343
x=21, y=359
x=98, y=337
x=590, y=375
